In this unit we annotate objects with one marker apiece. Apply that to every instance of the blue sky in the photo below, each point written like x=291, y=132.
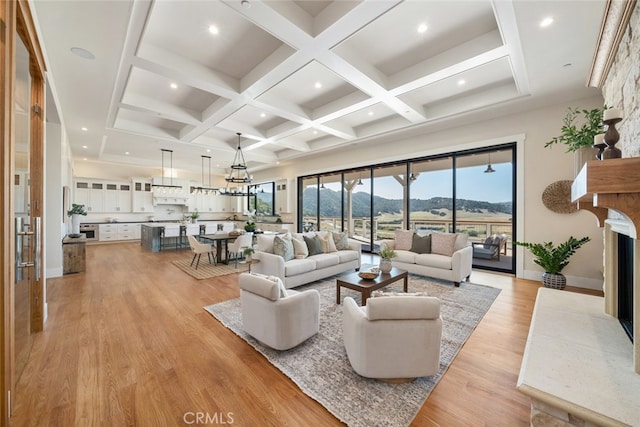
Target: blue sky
x=473, y=184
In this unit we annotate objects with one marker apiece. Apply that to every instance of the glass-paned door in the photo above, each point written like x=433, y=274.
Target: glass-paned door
x=309, y=204
x=360, y=219
x=331, y=202
x=484, y=206
x=390, y=185
x=431, y=195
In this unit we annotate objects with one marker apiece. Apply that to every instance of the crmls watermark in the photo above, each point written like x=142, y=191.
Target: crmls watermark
x=208, y=418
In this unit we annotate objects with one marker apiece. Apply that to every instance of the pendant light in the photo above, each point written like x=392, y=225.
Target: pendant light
x=164, y=188
x=202, y=189
x=489, y=169
x=238, y=174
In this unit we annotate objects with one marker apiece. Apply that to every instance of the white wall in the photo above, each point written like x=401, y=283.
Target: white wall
x=537, y=168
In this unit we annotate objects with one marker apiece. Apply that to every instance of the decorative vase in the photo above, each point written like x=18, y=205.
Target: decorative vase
x=554, y=280
x=385, y=266
x=581, y=156
x=75, y=225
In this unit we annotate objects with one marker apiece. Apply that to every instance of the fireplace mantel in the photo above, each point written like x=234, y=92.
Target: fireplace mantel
x=610, y=184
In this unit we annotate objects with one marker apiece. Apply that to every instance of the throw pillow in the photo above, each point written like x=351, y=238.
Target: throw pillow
x=283, y=290
x=313, y=244
x=341, y=240
x=300, y=249
x=421, y=244
x=404, y=239
x=283, y=247
x=328, y=245
x=443, y=243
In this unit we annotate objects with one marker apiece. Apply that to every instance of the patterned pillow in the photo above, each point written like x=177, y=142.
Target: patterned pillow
x=421, y=244
x=341, y=240
x=300, y=249
x=404, y=239
x=283, y=247
x=443, y=243
x=313, y=244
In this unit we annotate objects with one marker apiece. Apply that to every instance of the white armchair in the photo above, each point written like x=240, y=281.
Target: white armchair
x=281, y=322
x=393, y=338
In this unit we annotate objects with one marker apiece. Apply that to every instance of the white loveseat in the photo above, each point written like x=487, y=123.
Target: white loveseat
x=304, y=269
x=453, y=265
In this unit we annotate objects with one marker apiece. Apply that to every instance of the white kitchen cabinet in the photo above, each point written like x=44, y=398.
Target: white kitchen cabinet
x=117, y=231
x=90, y=194
x=141, y=196
x=117, y=197
x=108, y=232
x=282, y=196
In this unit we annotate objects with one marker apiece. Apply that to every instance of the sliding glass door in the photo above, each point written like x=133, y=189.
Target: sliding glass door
x=469, y=192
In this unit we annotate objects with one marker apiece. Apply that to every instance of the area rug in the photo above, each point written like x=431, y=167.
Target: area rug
x=321, y=369
x=206, y=270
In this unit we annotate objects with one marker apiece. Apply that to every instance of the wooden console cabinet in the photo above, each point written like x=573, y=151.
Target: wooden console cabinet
x=74, y=254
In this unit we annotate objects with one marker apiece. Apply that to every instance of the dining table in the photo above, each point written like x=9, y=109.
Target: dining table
x=220, y=239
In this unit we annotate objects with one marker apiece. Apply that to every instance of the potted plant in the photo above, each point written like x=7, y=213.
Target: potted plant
x=194, y=217
x=248, y=253
x=75, y=212
x=386, y=254
x=575, y=137
x=250, y=226
x=553, y=259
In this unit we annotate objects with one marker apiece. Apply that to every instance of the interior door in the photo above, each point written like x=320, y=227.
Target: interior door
x=24, y=237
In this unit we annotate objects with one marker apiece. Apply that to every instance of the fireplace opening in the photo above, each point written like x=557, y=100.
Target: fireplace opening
x=625, y=283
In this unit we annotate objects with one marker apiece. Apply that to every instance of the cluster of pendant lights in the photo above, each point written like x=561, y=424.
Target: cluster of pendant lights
x=237, y=178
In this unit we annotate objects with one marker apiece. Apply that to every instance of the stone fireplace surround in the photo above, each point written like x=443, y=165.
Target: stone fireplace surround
x=579, y=366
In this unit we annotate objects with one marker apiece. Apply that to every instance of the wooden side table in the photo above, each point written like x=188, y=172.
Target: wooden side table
x=252, y=261
x=73, y=254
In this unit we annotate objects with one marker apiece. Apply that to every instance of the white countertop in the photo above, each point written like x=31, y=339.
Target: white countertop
x=579, y=359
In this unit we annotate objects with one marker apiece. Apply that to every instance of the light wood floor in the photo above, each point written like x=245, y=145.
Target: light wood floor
x=128, y=343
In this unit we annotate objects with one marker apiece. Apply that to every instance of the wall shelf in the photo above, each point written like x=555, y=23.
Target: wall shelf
x=609, y=184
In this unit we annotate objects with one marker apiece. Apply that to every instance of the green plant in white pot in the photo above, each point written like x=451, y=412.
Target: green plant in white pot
x=386, y=254
x=553, y=259
x=75, y=212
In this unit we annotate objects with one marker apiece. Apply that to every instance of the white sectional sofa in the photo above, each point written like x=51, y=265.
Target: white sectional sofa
x=452, y=263
x=304, y=269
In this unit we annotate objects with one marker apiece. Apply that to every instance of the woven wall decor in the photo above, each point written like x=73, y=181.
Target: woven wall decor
x=557, y=197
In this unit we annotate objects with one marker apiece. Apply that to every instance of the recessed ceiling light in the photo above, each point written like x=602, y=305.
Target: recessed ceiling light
x=84, y=129
x=315, y=132
x=461, y=82
x=82, y=53
x=263, y=115
x=213, y=29
x=422, y=28
x=246, y=4
x=318, y=85
x=546, y=22
x=126, y=152
x=173, y=86
x=208, y=150
x=84, y=158
x=370, y=113
x=84, y=146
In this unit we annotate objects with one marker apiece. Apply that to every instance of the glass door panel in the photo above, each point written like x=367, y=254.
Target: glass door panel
x=431, y=195
x=484, y=206
x=389, y=192
x=309, y=204
x=361, y=207
x=24, y=243
x=331, y=202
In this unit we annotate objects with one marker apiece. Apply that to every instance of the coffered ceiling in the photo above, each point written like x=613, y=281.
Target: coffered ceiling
x=299, y=77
